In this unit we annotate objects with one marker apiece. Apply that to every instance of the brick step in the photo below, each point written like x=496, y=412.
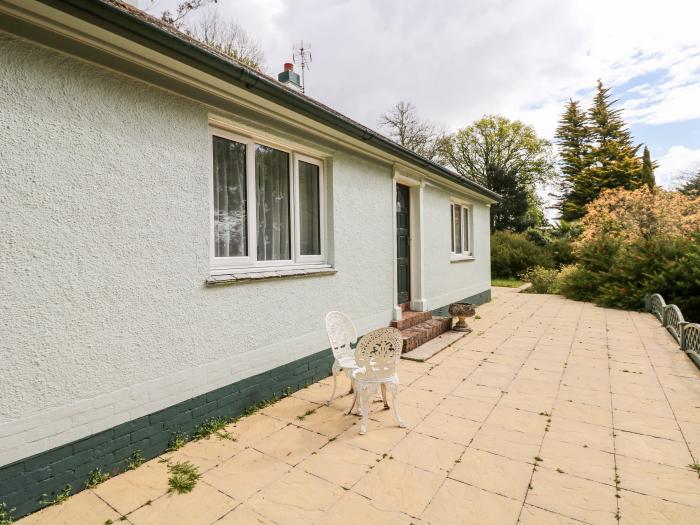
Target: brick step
x=411, y=318
x=423, y=332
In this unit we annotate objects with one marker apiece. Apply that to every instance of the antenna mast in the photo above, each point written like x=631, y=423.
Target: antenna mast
x=302, y=56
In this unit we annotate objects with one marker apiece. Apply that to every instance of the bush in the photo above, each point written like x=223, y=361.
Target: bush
x=577, y=283
x=513, y=254
x=635, y=243
x=679, y=280
x=544, y=280
x=562, y=252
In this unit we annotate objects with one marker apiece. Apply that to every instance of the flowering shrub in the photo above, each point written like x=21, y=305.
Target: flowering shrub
x=629, y=216
x=634, y=243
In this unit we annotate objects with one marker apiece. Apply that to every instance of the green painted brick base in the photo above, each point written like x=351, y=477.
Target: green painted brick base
x=23, y=483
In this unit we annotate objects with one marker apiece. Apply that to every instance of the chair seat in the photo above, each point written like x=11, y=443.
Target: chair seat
x=347, y=362
x=385, y=380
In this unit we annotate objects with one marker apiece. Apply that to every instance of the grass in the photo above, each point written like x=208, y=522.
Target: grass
x=183, y=477
x=508, y=283
x=59, y=498
x=96, y=477
x=177, y=441
x=5, y=514
x=214, y=425
x=135, y=460
x=307, y=413
x=262, y=404
x=692, y=466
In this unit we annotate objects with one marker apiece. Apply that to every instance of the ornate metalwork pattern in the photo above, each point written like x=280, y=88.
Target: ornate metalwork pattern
x=341, y=335
x=690, y=339
x=378, y=353
x=673, y=320
x=687, y=334
x=377, y=357
x=656, y=306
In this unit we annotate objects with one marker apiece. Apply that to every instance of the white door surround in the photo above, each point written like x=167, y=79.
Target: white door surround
x=416, y=186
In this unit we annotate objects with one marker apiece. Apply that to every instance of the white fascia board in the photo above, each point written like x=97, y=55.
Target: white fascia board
x=90, y=35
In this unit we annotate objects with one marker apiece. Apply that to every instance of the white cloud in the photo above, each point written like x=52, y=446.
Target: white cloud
x=458, y=60
x=678, y=161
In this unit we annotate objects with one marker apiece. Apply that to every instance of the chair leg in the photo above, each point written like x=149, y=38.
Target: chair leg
x=364, y=407
x=383, y=387
x=354, y=402
x=394, y=392
x=353, y=391
x=336, y=371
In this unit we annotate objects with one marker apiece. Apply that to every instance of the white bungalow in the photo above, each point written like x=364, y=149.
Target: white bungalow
x=174, y=228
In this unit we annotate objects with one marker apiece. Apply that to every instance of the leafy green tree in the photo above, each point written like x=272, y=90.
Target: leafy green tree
x=495, y=148
x=648, y=169
x=494, y=141
x=512, y=213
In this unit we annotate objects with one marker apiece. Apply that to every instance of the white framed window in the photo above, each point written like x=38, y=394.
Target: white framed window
x=268, y=205
x=310, y=209
x=462, y=231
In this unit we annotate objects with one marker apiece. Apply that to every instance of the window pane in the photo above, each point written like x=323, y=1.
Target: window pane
x=452, y=226
x=230, y=206
x=272, y=193
x=309, y=209
x=457, y=218
x=465, y=229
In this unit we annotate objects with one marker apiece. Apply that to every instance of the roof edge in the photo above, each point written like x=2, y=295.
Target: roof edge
x=114, y=18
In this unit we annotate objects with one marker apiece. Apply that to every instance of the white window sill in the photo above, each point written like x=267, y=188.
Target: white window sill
x=242, y=276
x=461, y=258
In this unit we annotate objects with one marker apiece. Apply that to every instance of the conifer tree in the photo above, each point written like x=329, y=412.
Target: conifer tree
x=648, y=169
x=691, y=185
x=610, y=158
x=573, y=141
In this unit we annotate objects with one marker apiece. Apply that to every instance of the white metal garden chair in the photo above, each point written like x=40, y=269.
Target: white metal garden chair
x=377, y=357
x=342, y=335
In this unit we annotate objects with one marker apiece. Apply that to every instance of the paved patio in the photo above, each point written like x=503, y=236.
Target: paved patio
x=534, y=418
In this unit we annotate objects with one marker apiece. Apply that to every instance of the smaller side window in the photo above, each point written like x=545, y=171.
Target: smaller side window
x=456, y=228
x=461, y=230
x=466, y=224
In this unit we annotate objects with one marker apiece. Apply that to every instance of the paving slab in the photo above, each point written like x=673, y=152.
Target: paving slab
x=550, y=412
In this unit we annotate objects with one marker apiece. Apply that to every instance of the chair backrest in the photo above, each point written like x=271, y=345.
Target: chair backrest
x=341, y=334
x=378, y=354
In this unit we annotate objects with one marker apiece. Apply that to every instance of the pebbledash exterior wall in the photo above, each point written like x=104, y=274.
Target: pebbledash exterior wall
x=111, y=341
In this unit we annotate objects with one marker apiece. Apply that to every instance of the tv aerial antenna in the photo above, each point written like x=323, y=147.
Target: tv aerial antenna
x=302, y=56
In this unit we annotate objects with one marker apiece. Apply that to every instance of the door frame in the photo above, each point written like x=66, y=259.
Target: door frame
x=416, y=186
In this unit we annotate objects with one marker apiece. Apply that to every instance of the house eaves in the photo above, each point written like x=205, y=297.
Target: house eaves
x=119, y=18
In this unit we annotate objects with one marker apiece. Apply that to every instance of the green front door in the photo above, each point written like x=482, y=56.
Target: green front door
x=403, y=262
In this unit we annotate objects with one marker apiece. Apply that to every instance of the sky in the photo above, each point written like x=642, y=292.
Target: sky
x=523, y=59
